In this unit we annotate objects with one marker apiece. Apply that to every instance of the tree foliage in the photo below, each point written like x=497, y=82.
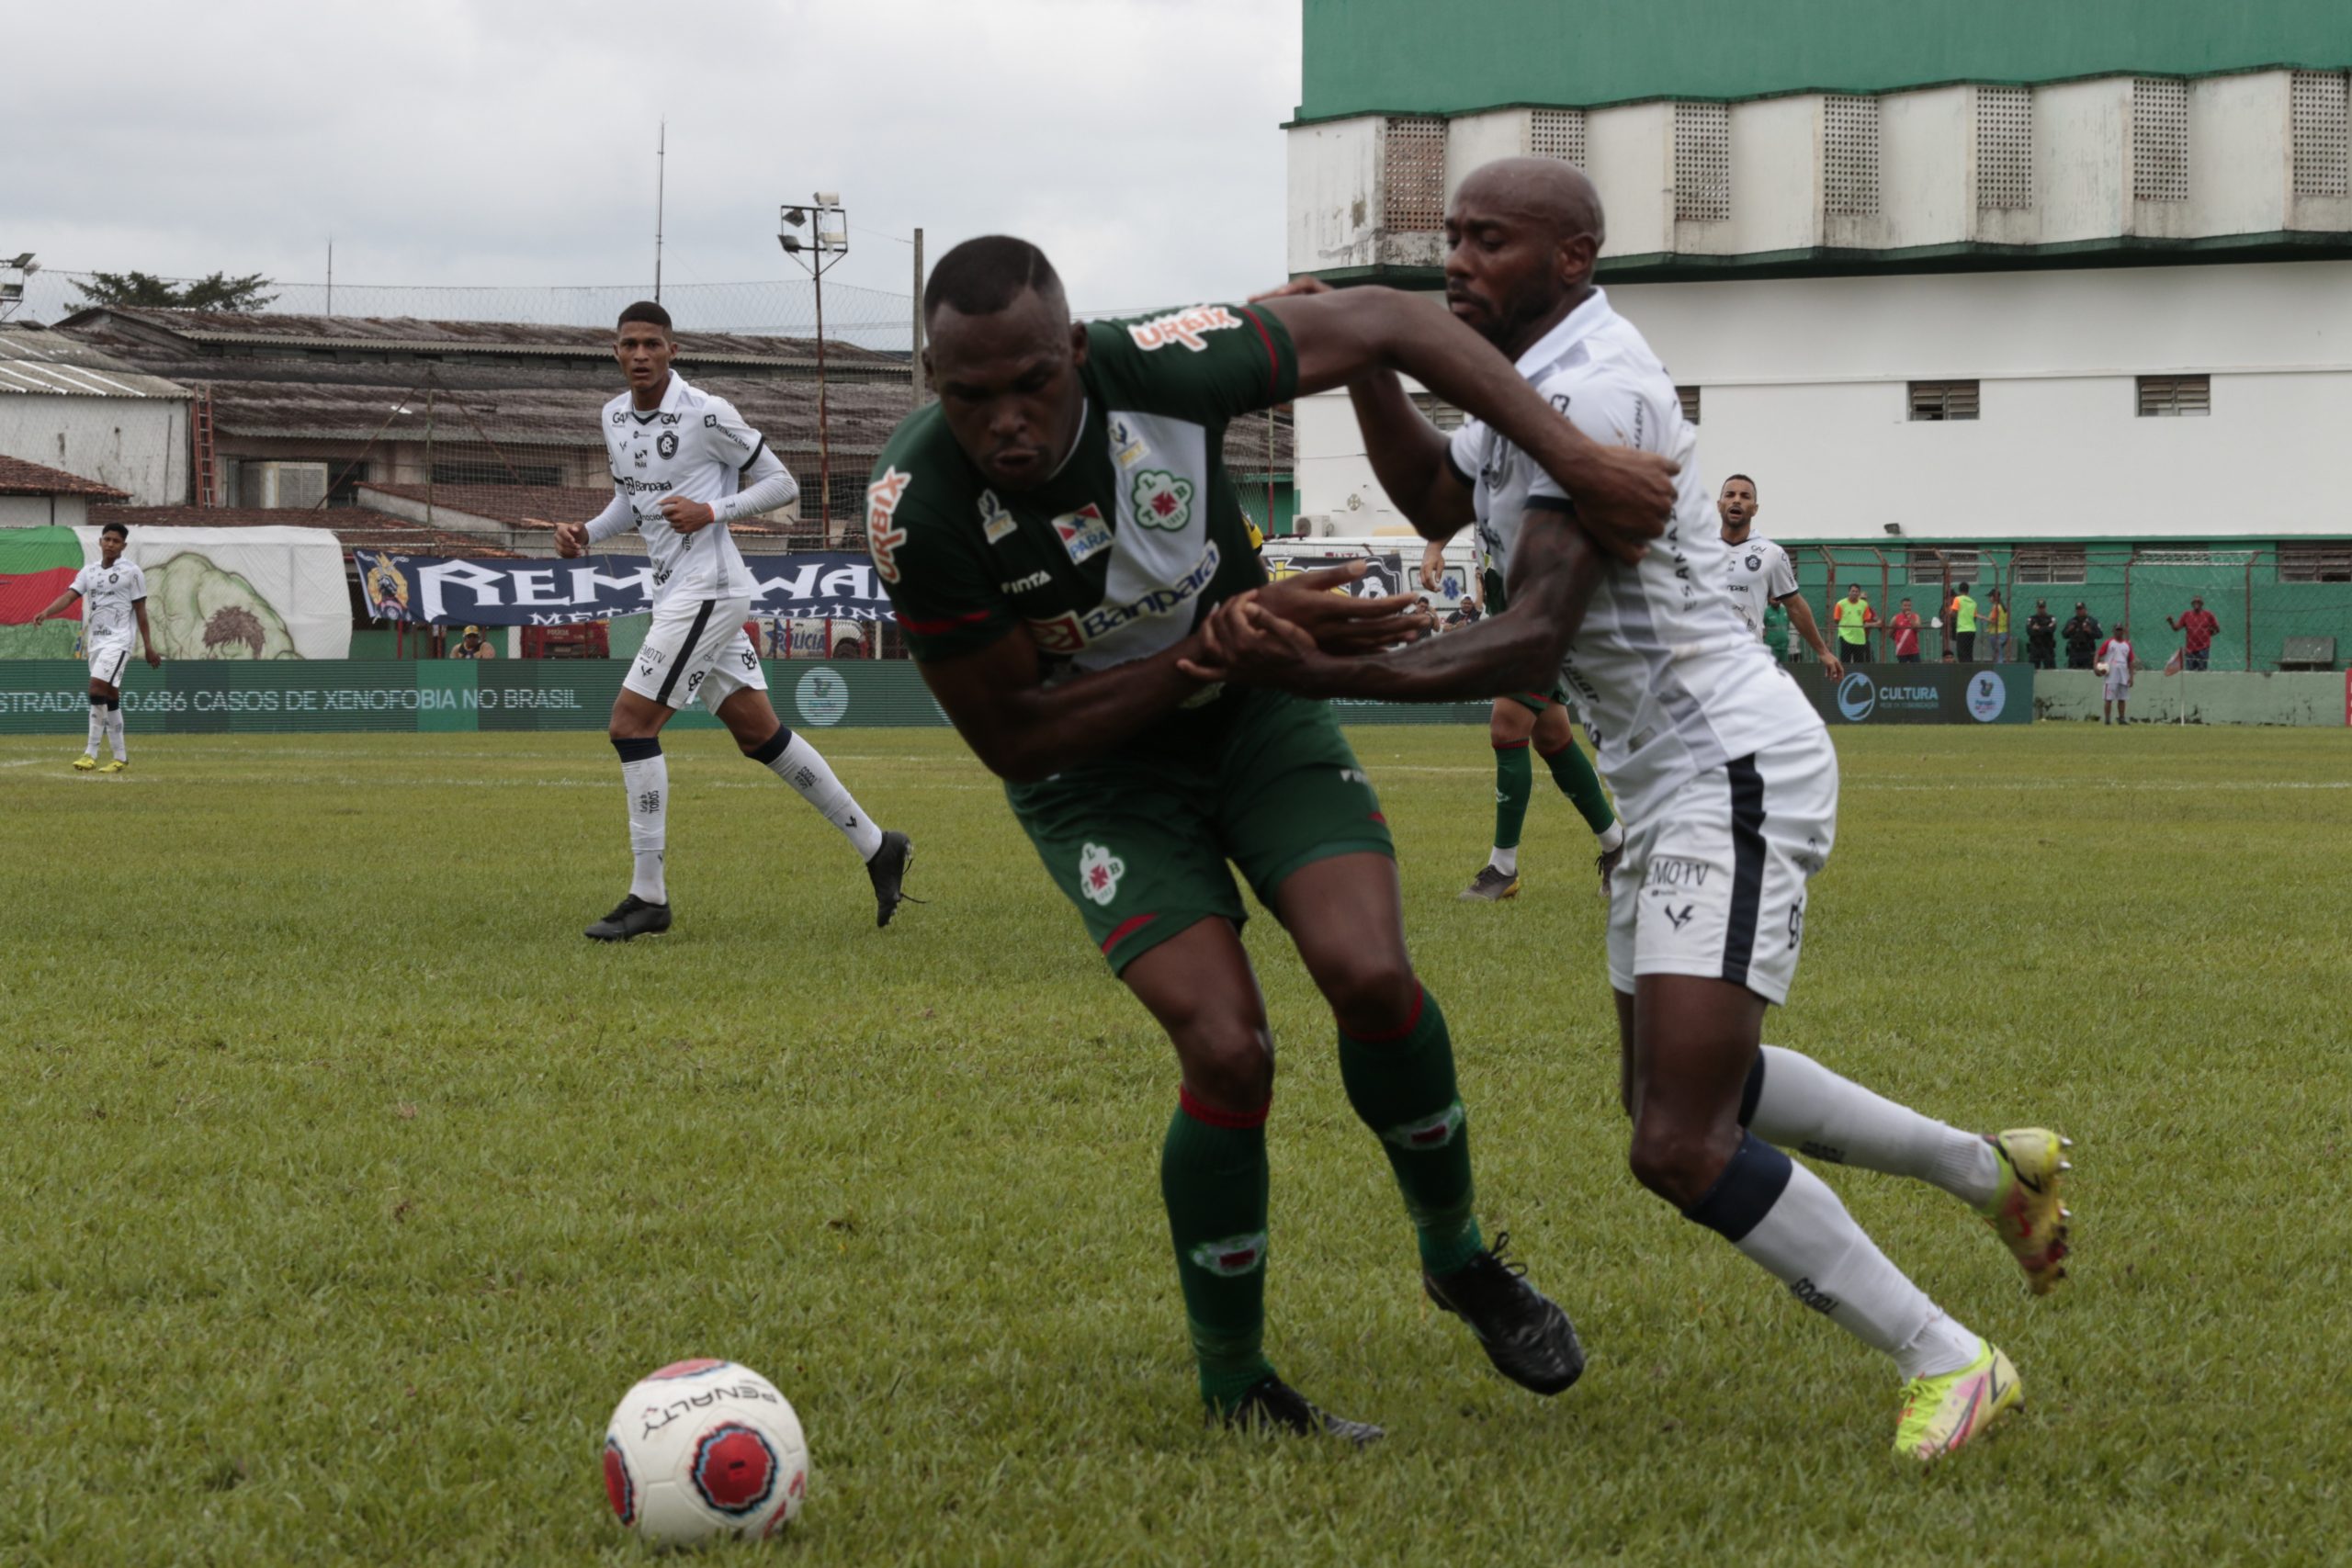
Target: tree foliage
x=217, y=292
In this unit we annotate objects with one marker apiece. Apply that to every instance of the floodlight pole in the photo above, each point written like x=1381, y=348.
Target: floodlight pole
x=827, y=242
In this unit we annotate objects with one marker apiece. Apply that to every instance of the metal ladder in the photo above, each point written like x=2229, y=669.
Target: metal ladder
x=200, y=435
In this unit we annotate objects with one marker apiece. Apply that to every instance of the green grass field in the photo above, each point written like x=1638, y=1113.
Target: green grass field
x=346, y=1187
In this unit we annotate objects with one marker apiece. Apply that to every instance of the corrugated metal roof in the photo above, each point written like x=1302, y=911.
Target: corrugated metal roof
x=36, y=360
x=356, y=526
x=20, y=478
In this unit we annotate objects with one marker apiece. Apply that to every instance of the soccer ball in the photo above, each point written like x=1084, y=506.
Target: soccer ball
x=2099, y=669
x=705, y=1448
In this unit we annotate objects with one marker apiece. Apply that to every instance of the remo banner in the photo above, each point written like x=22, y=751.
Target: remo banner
x=833, y=585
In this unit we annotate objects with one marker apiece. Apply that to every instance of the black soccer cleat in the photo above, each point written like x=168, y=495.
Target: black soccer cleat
x=888, y=870
x=1525, y=1335
x=1275, y=1407
x=632, y=917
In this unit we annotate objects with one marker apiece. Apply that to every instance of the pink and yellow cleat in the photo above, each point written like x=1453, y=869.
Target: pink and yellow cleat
x=1941, y=1414
x=2025, y=1211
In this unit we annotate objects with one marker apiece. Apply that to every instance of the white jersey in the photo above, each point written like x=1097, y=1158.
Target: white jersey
x=694, y=445
x=1760, y=575
x=1668, y=679
x=107, y=594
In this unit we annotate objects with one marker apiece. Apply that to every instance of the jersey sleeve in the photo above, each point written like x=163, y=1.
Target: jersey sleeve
x=1610, y=408
x=728, y=438
x=1465, y=451
x=138, y=583
x=1781, y=581
x=927, y=553
x=1208, y=363
x=80, y=586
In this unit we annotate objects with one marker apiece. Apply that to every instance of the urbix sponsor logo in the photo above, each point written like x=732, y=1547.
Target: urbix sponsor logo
x=1182, y=326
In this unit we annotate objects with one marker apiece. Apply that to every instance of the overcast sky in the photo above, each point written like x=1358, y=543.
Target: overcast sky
x=510, y=141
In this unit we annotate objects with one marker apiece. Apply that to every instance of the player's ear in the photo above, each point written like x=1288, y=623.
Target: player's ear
x=1077, y=342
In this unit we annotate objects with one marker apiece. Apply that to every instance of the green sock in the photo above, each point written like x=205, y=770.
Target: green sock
x=1403, y=1089
x=1212, y=1179
x=1572, y=771
x=1514, y=786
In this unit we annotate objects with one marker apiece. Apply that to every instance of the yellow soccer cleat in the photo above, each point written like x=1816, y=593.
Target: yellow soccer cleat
x=2025, y=1211
x=85, y=762
x=116, y=766
x=1941, y=1414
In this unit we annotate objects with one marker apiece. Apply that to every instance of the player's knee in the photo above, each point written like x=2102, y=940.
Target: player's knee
x=1674, y=1159
x=1507, y=725
x=1372, y=994
x=1229, y=1065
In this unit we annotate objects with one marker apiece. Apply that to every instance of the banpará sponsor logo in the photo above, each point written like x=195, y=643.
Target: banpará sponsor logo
x=1182, y=326
x=1067, y=634
x=644, y=486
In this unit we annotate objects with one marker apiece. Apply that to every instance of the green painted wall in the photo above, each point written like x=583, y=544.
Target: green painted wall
x=2317, y=701
x=1451, y=56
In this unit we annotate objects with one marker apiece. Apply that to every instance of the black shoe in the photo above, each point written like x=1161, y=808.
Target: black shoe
x=1605, y=862
x=888, y=870
x=1529, y=1339
x=632, y=917
x=1275, y=1407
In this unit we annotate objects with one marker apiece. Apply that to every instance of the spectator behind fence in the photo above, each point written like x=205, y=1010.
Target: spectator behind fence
x=2041, y=636
x=1997, y=626
x=1961, y=613
x=2115, y=664
x=2196, y=629
x=472, y=646
x=1903, y=631
x=1855, y=619
x=2082, y=635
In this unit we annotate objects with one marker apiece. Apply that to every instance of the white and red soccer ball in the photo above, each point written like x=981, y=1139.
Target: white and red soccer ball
x=705, y=1448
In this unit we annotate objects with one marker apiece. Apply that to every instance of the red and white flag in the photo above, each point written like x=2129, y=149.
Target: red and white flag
x=2172, y=665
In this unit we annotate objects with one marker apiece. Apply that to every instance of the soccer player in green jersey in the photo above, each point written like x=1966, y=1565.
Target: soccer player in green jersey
x=1051, y=533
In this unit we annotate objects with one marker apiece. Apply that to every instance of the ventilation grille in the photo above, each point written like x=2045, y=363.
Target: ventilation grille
x=2170, y=397
x=2004, y=149
x=1438, y=411
x=2159, y=138
x=1928, y=566
x=1702, y=162
x=1848, y=156
x=1937, y=400
x=2050, y=563
x=2315, y=563
x=1413, y=170
x=1689, y=398
x=1556, y=133
x=2323, y=133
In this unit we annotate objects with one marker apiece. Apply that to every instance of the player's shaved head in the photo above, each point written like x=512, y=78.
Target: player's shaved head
x=982, y=276
x=1521, y=235
x=1546, y=192
x=1006, y=357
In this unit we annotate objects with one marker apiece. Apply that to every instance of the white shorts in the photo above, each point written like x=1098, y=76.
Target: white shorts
x=1713, y=882
x=697, y=649
x=2118, y=691
x=108, y=660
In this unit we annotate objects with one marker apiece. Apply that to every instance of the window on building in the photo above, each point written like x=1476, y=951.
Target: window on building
x=1556, y=133
x=2321, y=108
x=1931, y=566
x=2004, y=149
x=1689, y=398
x=1438, y=411
x=1413, y=174
x=2172, y=397
x=1849, y=155
x=1702, y=162
x=2326, y=561
x=2159, y=138
x=2049, y=563
x=490, y=471
x=344, y=480
x=1943, y=400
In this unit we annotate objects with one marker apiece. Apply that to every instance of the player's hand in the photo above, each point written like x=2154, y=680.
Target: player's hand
x=685, y=516
x=1433, y=567
x=1295, y=286
x=40, y=618
x=154, y=659
x=1832, y=667
x=1624, y=498
x=1340, y=622
x=1243, y=644
x=570, y=540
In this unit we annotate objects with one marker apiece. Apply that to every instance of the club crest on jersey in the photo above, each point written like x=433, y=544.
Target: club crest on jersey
x=1083, y=533
x=1162, y=500
x=882, y=539
x=668, y=444
x=1182, y=326
x=995, y=524
x=1098, y=874
x=1233, y=1257
x=1756, y=563
x=1127, y=444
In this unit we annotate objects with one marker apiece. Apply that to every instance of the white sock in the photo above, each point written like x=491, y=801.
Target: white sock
x=1805, y=1107
x=647, y=780
x=1612, y=838
x=799, y=765
x=1943, y=1345
x=1811, y=1244
x=98, y=727
x=113, y=734
x=1505, y=861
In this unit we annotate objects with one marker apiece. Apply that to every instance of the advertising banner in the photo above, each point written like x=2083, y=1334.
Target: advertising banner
x=1921, y=693
x=453, y=590
x=212, y=593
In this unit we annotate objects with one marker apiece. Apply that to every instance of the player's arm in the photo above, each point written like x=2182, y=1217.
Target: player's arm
x=146, y=638
x=57, y=605
x=1623, y=496
x=1801, y=617
x=1411, y=458
x=573, y=539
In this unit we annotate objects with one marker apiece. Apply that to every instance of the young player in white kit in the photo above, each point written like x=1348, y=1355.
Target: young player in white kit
x=683, y=465
x=114, y=606
x=1730, y=784
x=1759, y=574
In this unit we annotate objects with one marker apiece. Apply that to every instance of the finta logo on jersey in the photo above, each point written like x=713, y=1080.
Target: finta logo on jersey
x=1182, y=326
x=1065, y=634
x=1084, y=533
x=882, y=540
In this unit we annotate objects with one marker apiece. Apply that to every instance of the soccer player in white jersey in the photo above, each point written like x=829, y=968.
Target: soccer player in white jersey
x=1728, y=781
x=685, y=464
x=1758, y=572
x=114, y=601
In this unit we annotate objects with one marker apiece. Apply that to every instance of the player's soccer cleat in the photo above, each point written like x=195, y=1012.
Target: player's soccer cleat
x=2025, y=1211
x=1605, y=862
x=116, y=766
x=1524, y=1334
x=632, y=917
x=1941, y=1414
x=87, y=763
x=1491, y=885
x=1275, y=1407
x=888, y=870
